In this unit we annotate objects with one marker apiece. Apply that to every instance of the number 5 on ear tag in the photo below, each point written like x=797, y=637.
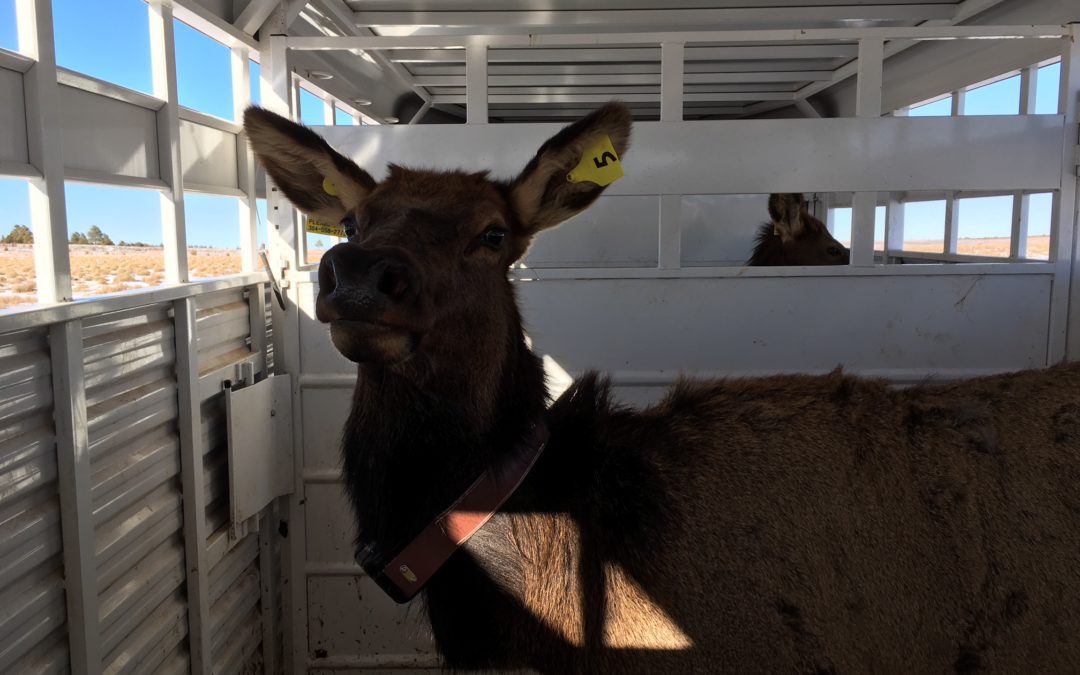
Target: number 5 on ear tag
x=599, y=164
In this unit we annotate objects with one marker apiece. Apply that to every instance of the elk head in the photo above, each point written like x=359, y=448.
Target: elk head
x=424, y=273
x=794, y=237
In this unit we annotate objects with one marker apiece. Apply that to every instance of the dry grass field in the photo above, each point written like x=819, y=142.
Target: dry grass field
x=99, y=270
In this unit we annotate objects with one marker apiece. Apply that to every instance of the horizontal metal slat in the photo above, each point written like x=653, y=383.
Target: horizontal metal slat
x=129, y=602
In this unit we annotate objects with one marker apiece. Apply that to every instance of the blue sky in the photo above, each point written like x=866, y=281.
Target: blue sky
x=204, y=83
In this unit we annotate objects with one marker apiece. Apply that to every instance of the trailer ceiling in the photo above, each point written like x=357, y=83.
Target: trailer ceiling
x=558, y=83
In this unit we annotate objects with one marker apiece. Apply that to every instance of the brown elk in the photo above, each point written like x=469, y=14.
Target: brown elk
x=794, y=237
x=809, y=524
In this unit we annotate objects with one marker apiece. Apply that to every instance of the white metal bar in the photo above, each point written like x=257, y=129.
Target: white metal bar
x=894, y=223
x=254, y=15
x=614, y=79
x=415, y=119
x=671, y=81
x=476, y=84
x=803, y=106
x=670, y=249
x=1065, y=309
x=192, y=480
x=163, y=68
x=672, y=16
x=76, y=507
x=245, y=162
x=655, y=38
x=720, y=97
x=48, y=207
x=283, y=242
x=44, y=315
x=952, y=223
x=70, y=78
x=715, y=58
x=867, y=104
x=1021, y=200
x=203, y=19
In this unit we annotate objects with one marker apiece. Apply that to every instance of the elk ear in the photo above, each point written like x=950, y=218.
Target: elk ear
x=542, y=196
x=317, y=179
x=786, y=212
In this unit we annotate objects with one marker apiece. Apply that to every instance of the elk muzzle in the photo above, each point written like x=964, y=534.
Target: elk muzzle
x=372, y=300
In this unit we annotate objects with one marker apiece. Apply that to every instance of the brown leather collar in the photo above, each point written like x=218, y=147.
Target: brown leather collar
x=406, y=573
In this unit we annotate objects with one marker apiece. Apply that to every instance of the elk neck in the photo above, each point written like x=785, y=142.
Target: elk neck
x=418, y=437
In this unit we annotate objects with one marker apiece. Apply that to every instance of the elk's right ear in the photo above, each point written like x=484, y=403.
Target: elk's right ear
x=542, y=195
x=317, y=179
x=786, y=213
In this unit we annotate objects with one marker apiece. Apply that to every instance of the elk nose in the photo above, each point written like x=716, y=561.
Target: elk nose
x=358, y=283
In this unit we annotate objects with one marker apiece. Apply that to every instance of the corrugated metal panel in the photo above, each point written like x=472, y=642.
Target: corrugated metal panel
x=33, y=631
x=235, y=605
x=215, y=462
x=224, y=329
x=131, y=396
x=268, y=296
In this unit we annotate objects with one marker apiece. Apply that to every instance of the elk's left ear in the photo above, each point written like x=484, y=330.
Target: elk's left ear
x=542, y=196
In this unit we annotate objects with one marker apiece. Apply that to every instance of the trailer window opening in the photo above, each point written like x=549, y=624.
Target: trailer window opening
x=80, y=28
x=114, y=239
x=213, y=235
x=203, y=72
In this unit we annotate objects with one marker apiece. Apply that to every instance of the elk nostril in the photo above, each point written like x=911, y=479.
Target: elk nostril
x=393, y=281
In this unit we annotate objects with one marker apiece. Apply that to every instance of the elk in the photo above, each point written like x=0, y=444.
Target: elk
x=796, y=523
x=794, y=237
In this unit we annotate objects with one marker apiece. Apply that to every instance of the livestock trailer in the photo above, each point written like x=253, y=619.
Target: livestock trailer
x=170, y=491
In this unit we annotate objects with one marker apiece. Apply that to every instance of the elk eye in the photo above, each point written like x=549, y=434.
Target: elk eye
x=493, y=237
x=349, y=224
x=833, y=250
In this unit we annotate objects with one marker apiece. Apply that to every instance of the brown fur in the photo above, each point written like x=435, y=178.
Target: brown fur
x=794, y=237
x=786, y=524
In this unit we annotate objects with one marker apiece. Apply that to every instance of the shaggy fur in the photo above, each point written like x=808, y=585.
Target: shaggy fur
x=782, y=525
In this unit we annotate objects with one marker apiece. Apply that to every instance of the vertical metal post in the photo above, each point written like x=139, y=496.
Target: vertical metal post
x=240, y=60
x=952, y=223
x=48, y=208
x=284, y=240
x=952, y=204
x=268, y=587
x=828, y=204
x=476, y=83
x=76, y=506
x=1021, y=200
x=328, y=111
x=670, y=249
x=894, y=223
x=867, y=104
x=191, y=475
x=1065, y=308
x=671, y=81
x=163, y=68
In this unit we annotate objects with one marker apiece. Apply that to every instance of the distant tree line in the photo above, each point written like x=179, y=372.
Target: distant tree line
x=20, y=234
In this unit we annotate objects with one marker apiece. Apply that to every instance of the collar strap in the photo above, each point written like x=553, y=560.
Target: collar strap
x=409, y=571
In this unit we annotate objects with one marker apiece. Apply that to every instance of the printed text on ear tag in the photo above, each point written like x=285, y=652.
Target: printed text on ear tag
x=319, y=227
x=329, y=187
x=599, y=164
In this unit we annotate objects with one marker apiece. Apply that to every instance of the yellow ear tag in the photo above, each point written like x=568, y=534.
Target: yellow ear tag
x=319, y=227
x=599, y=164
x=329, y=188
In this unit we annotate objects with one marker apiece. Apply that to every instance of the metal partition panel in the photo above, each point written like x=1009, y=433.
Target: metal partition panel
x=33, y=630
x=208, y=156
x=13, y=146
x=108, y=136
x=756, y=156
